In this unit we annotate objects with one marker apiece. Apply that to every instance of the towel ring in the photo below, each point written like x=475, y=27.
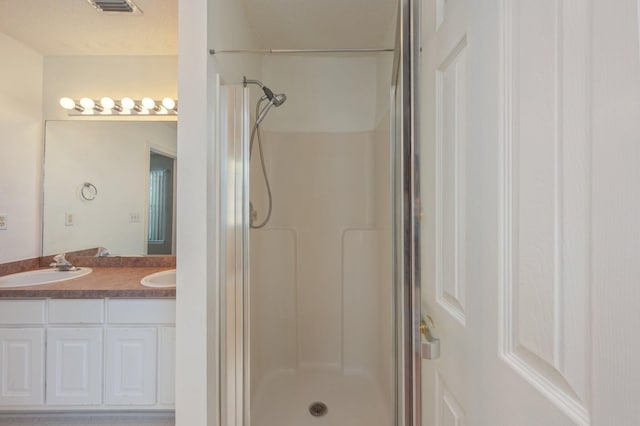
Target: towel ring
x=88, y=191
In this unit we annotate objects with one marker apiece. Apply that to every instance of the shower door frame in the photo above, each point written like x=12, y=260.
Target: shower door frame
x=234, y=267
x=407, y=212
x=234, y=226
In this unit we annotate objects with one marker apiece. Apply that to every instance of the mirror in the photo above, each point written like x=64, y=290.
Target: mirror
x=109, y=184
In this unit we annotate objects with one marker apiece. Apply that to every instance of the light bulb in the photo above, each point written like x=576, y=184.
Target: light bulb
x=148, y=103
x=107, y=103
x=67, y=103
x=168, y=103
x=127, y=103
x=87, y=103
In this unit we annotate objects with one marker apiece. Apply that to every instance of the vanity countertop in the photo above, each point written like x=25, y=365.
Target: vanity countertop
x=102, y=282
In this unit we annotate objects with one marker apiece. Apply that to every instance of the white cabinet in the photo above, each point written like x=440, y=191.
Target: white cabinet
x=99, y=354
x=74, y=366
x=166, y=365
x=21, y=366
x=131, y=366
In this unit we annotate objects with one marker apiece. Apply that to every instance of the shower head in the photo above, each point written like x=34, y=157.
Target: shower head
x=276, y=99
x=279, y=99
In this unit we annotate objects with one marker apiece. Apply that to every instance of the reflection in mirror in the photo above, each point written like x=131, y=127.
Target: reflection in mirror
x=161, y=207
x=109, y=184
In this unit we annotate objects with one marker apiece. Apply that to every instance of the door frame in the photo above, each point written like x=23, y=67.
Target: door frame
x=407, y=212
x=234, y=269
x=234, y=297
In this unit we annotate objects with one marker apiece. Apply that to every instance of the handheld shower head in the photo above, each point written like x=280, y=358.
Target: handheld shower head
x=275, y=99
x=279, y=99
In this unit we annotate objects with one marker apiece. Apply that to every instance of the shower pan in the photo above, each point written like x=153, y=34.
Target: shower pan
x=320, y=309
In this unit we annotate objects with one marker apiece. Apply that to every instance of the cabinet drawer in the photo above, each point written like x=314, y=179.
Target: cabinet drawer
x=76, y=311
x=22, y=312
x=156, y=311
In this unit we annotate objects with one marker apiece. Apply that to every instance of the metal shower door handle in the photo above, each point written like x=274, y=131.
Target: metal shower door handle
x=430, y=347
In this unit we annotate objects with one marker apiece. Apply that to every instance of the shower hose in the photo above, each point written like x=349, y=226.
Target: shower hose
x=254, y=132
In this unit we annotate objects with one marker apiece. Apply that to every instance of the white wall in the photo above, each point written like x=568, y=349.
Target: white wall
x=324, y=94
x=115, y=158
x=20, y=149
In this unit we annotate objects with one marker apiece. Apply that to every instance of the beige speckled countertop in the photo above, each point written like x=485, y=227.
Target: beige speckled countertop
x=121, y=282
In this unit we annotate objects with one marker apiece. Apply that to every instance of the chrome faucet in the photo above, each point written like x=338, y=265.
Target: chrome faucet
x=62, y=264
x=102, y=252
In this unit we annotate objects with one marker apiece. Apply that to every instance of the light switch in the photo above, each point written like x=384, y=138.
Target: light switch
x=134, y=217
x=3, y=221
x=69, y=219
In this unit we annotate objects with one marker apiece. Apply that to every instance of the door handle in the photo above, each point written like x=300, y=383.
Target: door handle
x=430, y=347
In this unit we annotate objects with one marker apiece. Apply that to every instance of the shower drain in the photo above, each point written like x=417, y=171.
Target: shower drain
x=318, y=409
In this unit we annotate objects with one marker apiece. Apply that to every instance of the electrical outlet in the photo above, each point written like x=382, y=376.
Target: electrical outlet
x=134, y=217
x=4, y=219
x=69, y=219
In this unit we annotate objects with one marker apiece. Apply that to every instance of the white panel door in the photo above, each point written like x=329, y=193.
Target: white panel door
x=74, y=366
x=446, y=296
x=21, y=366
x=130, y=372
x=166, y=365
x=615, y=162
x=507, y=227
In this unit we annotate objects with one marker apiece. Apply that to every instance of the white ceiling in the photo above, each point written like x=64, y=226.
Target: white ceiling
x=299, y=24
x=74, y=27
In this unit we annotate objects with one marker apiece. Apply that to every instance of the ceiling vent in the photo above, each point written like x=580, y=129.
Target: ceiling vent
x=116, y=6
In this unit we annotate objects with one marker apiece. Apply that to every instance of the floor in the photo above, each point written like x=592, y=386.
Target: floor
x=285, y=400
x=81, y=420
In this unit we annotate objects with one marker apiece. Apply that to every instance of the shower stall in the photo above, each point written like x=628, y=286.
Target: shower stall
x=319, y=314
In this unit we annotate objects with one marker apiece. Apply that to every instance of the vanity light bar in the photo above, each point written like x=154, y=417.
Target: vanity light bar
x=126, y=106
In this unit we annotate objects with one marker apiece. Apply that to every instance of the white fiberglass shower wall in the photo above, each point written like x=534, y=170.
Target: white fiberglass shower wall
x=320, y=287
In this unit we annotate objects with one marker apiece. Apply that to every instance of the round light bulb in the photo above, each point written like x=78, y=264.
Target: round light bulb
x=87, y=103
x=148, y=103
x=67, y=103
x=127, y=103
x=168, y=103
x=107, y=103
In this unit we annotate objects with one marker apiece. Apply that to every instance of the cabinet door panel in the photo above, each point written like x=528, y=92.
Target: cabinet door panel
x=131, y=366
x=21, y=366
x=74, y=366
x=166, y=365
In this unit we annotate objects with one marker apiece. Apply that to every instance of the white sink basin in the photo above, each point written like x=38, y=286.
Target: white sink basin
x=41, y=276
x=160, y=279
